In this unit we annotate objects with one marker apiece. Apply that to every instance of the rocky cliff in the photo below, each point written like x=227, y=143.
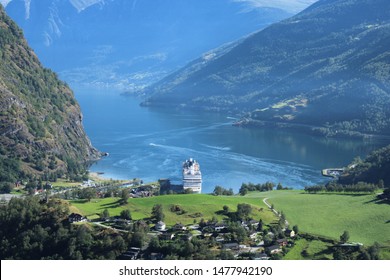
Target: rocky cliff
x=41, y=130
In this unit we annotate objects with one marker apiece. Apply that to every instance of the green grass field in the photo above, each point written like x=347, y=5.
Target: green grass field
x=320, y=214
x=330, y=214
x=315, y=249
x=208, y=205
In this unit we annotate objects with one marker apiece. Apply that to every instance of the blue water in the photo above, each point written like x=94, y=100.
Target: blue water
x=150, y=143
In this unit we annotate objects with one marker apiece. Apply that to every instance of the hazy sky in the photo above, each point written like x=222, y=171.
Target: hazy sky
x=292, y=6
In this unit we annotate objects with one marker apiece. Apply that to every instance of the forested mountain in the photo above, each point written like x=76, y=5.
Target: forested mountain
x=127, y=44
x=327, y=66
x=41, y=130
x=374, y=169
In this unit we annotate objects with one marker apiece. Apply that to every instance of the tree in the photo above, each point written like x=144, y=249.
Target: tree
x=344, y=237
x=188, y=249
x=87, y=193
x=6, y=187
x=157, y=212
x=105, y=214
x=124, y=196
x=154, y=244
x=226, y=209
x=226, y=255
x=125, y=214
x=243, y=210
x=228, y=192
x=373, y=251
x=137, y=239
x=218, y=190
x=296, y=229
x=260, y=225
x=243, y=191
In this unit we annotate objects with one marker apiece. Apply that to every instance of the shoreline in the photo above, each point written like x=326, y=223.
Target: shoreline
x=309, y=129
x=100, y=176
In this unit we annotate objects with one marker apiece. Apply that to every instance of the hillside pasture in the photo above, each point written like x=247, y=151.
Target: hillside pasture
x=195, y=206
x=330, y=214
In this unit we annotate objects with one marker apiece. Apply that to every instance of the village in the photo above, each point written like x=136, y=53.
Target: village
x=241, y=240
x=236, y=237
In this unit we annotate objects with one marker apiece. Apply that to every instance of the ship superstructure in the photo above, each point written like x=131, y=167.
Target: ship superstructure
x=192, y=177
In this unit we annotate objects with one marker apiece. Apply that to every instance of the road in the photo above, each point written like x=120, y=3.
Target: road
x=273, y=210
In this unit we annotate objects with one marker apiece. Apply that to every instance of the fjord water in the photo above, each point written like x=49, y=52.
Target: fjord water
x=150, y=143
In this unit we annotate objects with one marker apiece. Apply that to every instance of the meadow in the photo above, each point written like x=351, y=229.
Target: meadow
x=195, y=206
x=329, y=214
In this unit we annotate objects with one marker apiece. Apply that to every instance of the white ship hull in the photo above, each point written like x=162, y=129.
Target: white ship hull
x=192, y=177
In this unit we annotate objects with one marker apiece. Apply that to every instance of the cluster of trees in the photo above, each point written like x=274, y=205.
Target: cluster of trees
x=32, y=229
x=250, y=187
x=218, y=190
x=336, y=187
x=385, y=195
x=9, y=169
x=354, y=251
x=194, y=249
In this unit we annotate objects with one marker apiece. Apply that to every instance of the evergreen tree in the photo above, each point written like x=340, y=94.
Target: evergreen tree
x=157, y=212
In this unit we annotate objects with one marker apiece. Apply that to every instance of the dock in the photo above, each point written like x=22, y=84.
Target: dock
x=332, y=172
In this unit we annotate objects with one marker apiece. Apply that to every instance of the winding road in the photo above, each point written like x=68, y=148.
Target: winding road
x=273, y=210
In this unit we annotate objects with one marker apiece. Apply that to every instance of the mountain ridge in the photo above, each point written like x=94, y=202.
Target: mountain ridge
x=331, y=56
x=128, y=44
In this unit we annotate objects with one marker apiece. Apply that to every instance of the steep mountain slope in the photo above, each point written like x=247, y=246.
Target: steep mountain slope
x=373, y=169
x=40, y=121
x=327, y=66
x=128, y=44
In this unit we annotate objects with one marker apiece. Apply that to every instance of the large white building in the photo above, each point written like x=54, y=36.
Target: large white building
x=192, y=177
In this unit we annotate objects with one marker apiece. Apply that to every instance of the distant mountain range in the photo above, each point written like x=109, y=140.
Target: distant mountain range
x=41, y=132
x=326, y=67
x=128, y=44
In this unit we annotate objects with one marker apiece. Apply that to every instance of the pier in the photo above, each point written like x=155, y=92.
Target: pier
x=332, y=172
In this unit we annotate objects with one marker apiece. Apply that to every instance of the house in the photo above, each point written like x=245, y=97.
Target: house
x=290, y=233
x=274, y=249
x=249, y=224
x=254, y=235
x=282, y=242
x=220, y=226
x=185, y=237
x=244, y=249
x=220, y=237
x=74, y=217
x=231, y=246
x=260, y=256
x=156, y=256
x=194, y=226
x=253, y=223
x=131, y=254
x=160, y=226
x=179, y=226
x=167, y=236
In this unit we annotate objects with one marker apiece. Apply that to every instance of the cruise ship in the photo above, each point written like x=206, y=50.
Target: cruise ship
x=192, y=177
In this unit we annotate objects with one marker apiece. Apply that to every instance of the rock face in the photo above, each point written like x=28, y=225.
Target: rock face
x=327, y=66
x=40, y=121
